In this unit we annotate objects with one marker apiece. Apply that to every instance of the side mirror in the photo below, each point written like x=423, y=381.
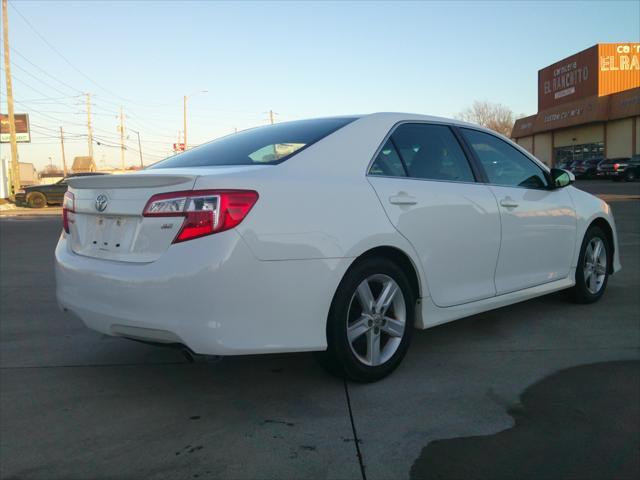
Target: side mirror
x=561, y=178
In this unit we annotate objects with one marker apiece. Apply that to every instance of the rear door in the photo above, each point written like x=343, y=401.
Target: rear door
x=429, y=192
x=538, y=223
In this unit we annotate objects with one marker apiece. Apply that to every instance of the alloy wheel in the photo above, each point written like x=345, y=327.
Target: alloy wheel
x=595, y=265
x=376, y=319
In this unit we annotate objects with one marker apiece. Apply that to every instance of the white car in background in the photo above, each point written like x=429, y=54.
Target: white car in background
x=335, y=235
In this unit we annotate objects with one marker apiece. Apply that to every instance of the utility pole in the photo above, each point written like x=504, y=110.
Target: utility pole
x=64, y=159
x=89, y=130
x=271, y=116
x=15, y=167
x=121, y=140
x=184, y=118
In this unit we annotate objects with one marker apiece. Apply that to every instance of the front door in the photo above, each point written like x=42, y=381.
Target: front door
x=538, y=223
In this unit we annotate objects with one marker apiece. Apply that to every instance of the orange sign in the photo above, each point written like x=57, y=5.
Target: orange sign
x=619, y=67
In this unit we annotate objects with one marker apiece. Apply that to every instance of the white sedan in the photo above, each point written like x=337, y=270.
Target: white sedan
x=334, y=235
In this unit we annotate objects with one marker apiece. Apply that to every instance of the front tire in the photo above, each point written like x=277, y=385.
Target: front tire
x=592, y=273
x=370, y=321
x=630, y=176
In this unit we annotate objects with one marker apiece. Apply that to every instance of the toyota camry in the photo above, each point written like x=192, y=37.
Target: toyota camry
x=335, y=235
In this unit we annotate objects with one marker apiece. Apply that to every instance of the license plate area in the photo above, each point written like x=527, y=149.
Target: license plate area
x=111, y=234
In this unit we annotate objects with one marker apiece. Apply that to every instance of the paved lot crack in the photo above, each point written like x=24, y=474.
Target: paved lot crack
x=356, y=440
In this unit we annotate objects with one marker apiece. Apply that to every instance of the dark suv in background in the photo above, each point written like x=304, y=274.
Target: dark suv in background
x=39, y=196
x=627, y=169
x=585, y=168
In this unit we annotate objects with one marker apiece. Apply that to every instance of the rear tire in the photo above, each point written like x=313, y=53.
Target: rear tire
x=592, y=273
x=370, y=321
x=36, y=200
x=630, y=176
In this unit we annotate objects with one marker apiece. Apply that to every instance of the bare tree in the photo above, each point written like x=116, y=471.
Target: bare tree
x=51, y=168
x=490, y=115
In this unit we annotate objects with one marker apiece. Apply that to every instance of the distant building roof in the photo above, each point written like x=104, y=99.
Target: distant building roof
x=83, y=164
x=51, y=174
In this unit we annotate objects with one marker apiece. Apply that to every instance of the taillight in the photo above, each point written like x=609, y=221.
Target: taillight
x=205, y=211
x=68, y=206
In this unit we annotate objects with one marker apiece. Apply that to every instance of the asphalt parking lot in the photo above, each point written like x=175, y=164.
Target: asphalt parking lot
x=543, y=389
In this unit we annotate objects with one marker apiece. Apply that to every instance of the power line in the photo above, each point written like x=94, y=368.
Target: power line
x=58, y=52
x=38, y=79
x=42, y=37
x=44, y=71
x=31, y=109
x=20, y=80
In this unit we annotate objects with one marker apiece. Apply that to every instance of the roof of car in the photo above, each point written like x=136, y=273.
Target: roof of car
x=402, y=116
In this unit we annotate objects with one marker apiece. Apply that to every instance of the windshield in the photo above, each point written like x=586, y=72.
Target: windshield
x=258, y=146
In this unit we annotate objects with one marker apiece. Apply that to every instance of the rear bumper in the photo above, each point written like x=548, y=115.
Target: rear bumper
x=210, y=294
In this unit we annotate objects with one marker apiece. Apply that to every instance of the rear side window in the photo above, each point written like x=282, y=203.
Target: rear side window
x=388, y=163
x=431, y=152
x=258, y=146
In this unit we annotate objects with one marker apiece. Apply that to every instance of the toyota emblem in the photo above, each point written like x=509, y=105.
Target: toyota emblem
x=101, y=202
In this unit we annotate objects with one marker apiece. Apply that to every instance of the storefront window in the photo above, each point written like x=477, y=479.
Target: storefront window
x=572, y=153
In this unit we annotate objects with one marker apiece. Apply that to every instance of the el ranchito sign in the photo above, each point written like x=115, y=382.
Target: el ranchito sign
x=600, y=70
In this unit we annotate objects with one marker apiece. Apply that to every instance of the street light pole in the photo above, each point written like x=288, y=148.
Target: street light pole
x=184, y=115
x=184, y=119
x=139, y=146
x=64, y=158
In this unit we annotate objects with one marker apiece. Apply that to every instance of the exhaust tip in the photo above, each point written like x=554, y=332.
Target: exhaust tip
x=192, y=357
x=188, y=355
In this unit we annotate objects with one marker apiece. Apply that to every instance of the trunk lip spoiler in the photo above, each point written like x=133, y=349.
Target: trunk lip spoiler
x=129, y=181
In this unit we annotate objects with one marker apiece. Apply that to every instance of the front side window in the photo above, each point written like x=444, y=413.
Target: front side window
x=504, y=164
x=258, y=146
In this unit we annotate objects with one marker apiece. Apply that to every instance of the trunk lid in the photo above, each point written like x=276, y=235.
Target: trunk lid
x=108, y=222
x=119, y=232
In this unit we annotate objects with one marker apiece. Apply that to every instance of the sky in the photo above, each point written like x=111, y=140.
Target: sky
x=299, y=59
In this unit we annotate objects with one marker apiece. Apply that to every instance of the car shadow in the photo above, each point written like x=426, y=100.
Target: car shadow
x=582, y=422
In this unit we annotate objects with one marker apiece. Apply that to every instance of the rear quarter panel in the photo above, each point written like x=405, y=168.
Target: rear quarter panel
x=319, y=204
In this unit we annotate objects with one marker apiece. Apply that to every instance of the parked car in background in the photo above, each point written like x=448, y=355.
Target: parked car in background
x=627, y=169
x=565, y=164
x=39, y=196
x=335, y=235
x=585, y=168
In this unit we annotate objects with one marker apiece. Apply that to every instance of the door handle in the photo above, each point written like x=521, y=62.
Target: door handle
x=508, y=202
x=402, y=199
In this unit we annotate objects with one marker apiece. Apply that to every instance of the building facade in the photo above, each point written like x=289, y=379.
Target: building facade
x=588, y=107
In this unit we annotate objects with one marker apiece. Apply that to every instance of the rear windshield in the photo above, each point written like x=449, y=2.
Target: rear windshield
x=258, y=146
